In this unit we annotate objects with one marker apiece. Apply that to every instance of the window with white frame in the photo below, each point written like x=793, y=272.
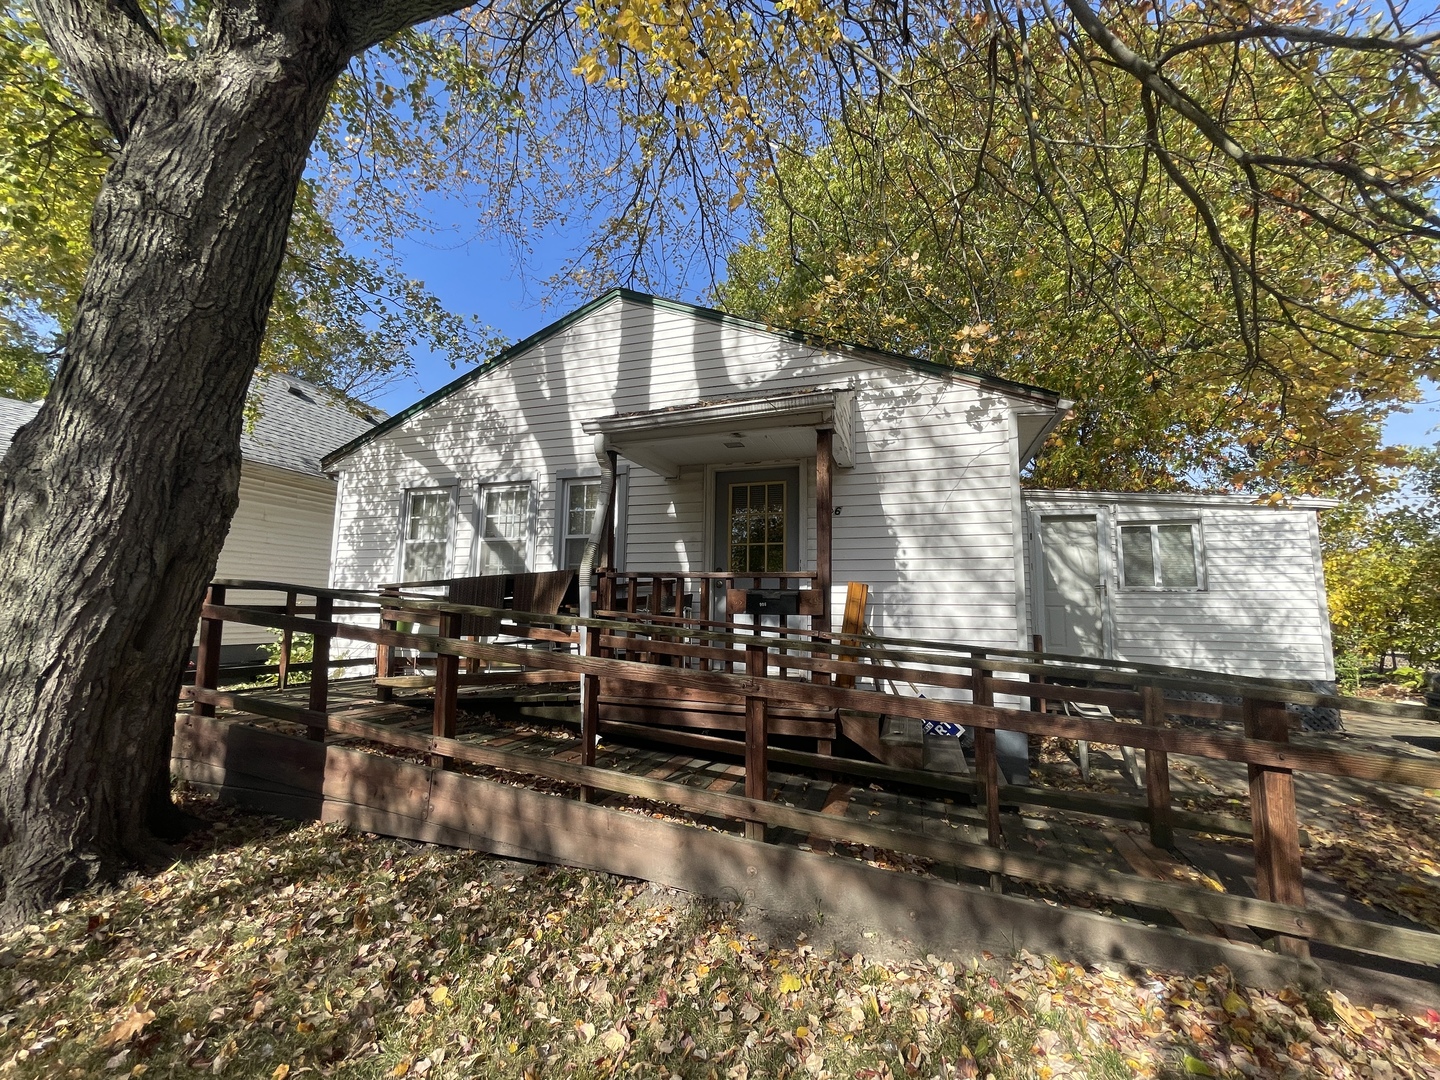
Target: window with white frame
x=577, y=518
x=503, y=539
x=425, y=541
x=1160, y=555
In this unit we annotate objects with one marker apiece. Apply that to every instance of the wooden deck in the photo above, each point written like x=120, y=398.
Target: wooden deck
x=482, y=746
x=541, y=723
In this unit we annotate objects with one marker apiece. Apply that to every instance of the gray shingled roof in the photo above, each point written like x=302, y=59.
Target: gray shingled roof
x=14, y=415
x=298, y=424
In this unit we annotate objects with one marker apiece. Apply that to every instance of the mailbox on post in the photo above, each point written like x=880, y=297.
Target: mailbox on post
x=772, y=602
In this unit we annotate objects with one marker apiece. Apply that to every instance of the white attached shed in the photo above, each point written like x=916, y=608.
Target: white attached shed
x=1202, y=581
x=282, y=526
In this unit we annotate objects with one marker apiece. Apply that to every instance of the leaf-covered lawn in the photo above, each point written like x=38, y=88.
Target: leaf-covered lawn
x=273, y=950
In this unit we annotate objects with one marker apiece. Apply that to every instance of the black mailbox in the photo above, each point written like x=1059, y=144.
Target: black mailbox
x=772, y=602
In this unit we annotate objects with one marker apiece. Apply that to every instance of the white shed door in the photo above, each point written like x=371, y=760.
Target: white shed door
x=1074, y=597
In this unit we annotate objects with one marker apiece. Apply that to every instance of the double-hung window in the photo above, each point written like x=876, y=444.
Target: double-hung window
x=577, y=517
x=425, y=539
x=1162, y=555
x=503, y=538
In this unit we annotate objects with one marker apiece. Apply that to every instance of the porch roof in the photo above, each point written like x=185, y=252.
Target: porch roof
x=757, y=427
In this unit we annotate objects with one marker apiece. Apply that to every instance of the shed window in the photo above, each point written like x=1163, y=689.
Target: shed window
x=425, y=544
x=582, y=500
x=504, y=534
x=1160, y=555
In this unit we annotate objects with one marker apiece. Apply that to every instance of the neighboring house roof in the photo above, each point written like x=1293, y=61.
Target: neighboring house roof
x=298, y=424
x=925, y=367
x=13, y=416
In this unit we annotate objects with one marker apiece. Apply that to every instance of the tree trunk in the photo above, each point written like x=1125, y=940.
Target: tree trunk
x=115, y=500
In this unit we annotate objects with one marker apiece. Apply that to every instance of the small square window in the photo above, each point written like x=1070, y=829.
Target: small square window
x=1160, y=556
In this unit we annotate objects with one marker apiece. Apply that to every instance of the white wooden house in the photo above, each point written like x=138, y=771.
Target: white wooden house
x=741, y=449
x=282, y=526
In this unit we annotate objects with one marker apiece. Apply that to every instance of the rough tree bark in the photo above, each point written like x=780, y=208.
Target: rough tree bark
x=115, y=499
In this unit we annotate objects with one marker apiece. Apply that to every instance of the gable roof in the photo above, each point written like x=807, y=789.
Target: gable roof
x=297, y=425
x=929, y=368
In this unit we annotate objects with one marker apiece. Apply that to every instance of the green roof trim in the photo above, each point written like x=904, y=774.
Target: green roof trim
x=925, y=367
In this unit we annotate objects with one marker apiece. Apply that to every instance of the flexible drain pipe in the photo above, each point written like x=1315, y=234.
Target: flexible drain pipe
x=597, y=528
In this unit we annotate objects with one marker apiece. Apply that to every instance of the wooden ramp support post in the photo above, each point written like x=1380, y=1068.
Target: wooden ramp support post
x=384, y=666
x=1274, y=824
x=987, y=763
x=824, y=525
x=757, y=779
x=207, y=657
x=1037, y=644
x=1157, y=772
x=447, y=682
x=320, y=669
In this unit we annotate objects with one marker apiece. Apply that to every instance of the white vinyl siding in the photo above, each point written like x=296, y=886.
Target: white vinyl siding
x=927, y=513
x=1258, y=610
x=281, y=532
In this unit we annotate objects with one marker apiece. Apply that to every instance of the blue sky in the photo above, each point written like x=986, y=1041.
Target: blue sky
x=481, y=277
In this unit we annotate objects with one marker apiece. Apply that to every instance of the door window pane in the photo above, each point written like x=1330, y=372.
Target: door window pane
x=425, y=551
x=1177, y=556
x=504, y=529
x=757, y=528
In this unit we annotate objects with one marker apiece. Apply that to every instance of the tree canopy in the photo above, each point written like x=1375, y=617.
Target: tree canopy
x=346, y=322
x=1221, y=319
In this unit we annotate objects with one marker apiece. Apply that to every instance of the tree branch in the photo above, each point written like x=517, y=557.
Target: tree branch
x=111, y=49
x=369, y=22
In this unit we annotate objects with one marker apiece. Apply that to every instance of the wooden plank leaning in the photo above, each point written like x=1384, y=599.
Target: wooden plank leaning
x=1274, y=822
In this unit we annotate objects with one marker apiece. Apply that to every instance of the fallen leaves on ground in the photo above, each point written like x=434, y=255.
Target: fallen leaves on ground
x=274, y=950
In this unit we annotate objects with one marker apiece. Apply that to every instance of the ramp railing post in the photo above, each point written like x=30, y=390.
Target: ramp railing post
x=207, y=657
x=589, y=708
x=447, y=683
x=1274, y=824
x=384, y=665
x=987, y=761
x=320, y=668
x=757, y=778
x=1157, y=771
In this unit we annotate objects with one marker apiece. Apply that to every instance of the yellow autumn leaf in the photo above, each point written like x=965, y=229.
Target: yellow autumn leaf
x=280, y=1073
x=126, y=1029
x=439, y=996
x=789, y=983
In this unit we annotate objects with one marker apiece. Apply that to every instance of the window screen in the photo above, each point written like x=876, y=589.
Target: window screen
x=1160, y=556
x=504, y=529
x=582, y=499
x=425, y=550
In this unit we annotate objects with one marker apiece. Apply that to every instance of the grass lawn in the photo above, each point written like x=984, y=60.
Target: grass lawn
x=276, y=950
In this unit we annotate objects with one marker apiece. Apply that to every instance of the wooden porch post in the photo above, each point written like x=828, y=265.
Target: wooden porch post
x=287, y=639
x=383, y=662
x=207, y=658
x=1274, y=825
x=987, y=762
x=824, y=521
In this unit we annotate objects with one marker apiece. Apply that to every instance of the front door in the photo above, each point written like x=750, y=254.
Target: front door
x=1074, y=585
x=757, y=521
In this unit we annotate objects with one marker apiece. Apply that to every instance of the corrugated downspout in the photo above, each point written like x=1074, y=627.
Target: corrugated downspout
x=597, y=529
